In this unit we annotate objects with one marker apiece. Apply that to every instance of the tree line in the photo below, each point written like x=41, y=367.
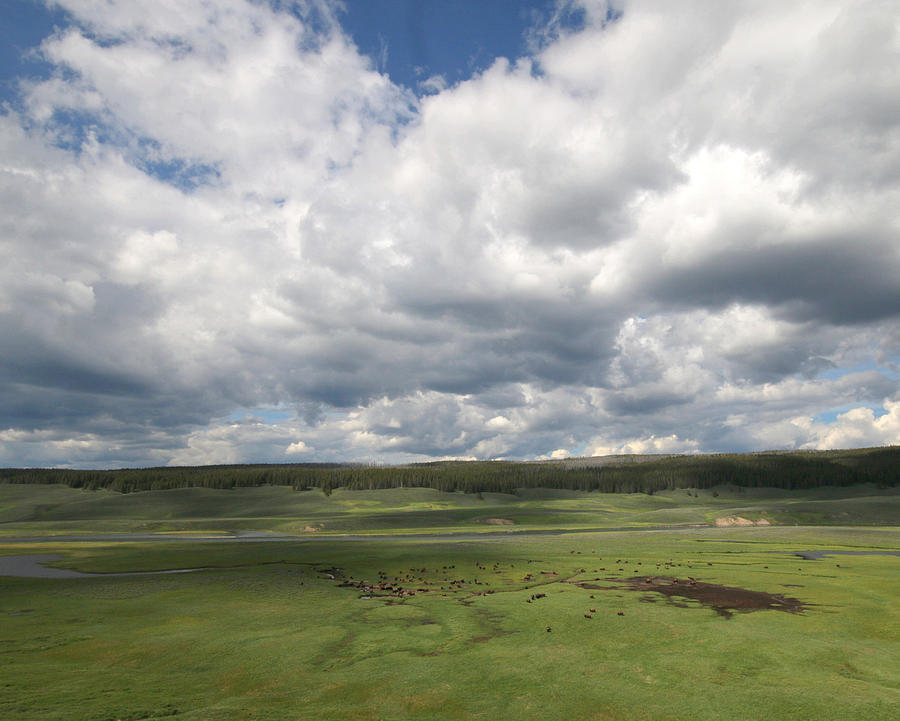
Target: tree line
x=785, y=470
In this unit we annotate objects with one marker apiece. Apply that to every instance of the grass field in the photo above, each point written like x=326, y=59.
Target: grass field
x=283, y=631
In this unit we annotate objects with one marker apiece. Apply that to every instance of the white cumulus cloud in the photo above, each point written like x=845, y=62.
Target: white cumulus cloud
x=673, y=229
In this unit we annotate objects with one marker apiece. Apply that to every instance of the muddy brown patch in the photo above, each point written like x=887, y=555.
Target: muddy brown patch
x=724, y=600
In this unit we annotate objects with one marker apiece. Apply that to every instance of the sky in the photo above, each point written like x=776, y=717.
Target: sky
x=392, y=231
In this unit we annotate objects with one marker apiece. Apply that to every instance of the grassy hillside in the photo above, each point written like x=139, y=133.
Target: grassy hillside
x=42, y=509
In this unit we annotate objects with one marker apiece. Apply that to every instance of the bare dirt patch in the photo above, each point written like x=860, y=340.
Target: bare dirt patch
x=727, y=521
x=499, y=521
x=724, y=600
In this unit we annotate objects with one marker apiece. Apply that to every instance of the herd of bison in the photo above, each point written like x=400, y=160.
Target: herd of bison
x=447, y=582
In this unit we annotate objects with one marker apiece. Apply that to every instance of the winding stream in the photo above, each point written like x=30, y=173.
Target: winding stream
x=32, y=566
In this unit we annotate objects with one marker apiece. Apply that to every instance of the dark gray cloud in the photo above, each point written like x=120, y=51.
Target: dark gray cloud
x=846, y=280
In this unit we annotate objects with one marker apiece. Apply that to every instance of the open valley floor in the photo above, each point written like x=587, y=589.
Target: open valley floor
x=696, y=622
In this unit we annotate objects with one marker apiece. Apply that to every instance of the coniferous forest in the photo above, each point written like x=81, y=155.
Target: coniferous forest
x=609, y=474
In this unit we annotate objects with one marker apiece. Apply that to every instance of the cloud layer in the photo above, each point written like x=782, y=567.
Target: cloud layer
x=228, y=238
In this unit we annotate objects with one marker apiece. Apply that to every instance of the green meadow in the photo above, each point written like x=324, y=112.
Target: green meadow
x=387, y=627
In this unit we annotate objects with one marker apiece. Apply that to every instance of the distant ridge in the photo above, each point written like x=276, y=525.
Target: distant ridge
x=611, y=474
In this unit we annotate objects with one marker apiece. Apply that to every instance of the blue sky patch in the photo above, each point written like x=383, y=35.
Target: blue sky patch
x=830, y=416
x=23, y=25
x=413, y=40
x=870, y=365
x=269, y=417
